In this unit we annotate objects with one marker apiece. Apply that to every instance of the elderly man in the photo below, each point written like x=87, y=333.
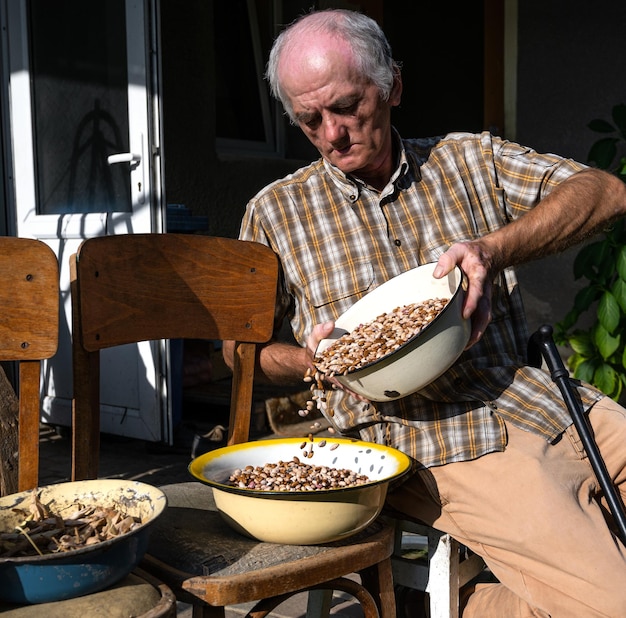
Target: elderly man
x=498, y=464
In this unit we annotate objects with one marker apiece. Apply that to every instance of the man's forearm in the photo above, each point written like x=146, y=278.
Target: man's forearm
x=278, y=363
x=574, y=211
x=578, y=208
x=282, y=363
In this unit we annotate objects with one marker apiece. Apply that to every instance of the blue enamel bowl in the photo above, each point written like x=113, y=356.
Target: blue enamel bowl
x=56, y=577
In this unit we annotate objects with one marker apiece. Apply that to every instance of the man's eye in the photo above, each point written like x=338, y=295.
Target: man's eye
x=311, y=123
x=347, y=109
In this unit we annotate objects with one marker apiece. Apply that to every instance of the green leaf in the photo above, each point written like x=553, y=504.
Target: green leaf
x=620, y=263
x=561, y=328
x=606, y=379
x=574, y=361
x=585, y=371
x=618, y=389
x=608, y=312
x=601, y=126
x=619, y=117
x=582, y=343
x=605, y=342
x=608, y=345
x=619, y=292
x=585, y=297
x=616, y=235
x=586, y=259
x=603, y=152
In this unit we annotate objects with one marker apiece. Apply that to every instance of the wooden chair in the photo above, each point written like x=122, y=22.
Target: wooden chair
x=29, y=331
x=162, y=286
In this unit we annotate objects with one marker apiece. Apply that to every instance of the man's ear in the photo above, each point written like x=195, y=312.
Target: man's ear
x=395, y=96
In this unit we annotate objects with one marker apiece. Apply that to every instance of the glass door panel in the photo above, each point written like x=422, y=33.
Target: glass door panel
x=84, y=113
x=79, y=86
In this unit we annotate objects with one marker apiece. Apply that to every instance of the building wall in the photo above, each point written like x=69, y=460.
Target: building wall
x=570, y=69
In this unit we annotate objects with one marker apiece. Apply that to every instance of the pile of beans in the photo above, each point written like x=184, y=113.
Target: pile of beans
x=374, y=340
x=295, y=475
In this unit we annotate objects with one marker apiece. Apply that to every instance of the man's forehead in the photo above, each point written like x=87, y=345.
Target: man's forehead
x=313, y=52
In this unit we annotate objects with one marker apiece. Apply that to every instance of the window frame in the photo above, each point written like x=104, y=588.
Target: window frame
x=274, y=143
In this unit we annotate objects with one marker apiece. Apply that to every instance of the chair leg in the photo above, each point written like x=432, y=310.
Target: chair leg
x=319, y=603
x=442, y=588
x=379, y=580
x=202, y=610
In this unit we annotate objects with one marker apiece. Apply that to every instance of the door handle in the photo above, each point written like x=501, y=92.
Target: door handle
x=123, y=157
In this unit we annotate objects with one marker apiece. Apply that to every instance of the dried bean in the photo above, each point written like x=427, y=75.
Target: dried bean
x=365, y=344
x=295, y=476
x=377, y=338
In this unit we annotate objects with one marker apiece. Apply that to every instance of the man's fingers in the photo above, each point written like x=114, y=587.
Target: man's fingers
x=445, y=264
x=319, y=332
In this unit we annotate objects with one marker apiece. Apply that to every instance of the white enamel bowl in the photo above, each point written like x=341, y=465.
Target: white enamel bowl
x=301, y=517
x=424, y=357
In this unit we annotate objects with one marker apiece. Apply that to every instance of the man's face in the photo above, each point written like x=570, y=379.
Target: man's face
x=341, y=113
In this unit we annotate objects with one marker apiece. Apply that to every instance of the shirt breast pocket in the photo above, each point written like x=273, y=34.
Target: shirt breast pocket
x=338, y=289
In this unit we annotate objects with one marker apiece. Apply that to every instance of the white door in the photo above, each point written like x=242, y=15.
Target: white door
x=84, y=110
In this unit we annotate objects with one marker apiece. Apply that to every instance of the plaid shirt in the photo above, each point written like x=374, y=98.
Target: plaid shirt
x=337, y=239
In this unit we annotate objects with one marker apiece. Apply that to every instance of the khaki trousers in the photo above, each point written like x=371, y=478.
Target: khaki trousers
x=533, y=513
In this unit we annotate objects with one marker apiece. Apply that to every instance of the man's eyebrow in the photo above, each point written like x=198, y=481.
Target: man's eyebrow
x=305, y=117
x=345, y=101
x=342, y=102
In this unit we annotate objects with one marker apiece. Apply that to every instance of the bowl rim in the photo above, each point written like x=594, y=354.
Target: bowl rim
x=198, y=464
x=459, y=289
x=160, y=504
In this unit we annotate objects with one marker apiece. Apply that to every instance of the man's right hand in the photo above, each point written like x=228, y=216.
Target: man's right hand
x=319, y=332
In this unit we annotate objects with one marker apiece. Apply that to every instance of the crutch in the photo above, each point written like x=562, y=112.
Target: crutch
x=543, y=342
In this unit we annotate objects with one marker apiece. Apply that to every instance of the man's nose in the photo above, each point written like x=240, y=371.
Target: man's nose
x=334, y=129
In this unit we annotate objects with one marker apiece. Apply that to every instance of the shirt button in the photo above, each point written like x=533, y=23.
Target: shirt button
x=353, y=197
x=397, y=242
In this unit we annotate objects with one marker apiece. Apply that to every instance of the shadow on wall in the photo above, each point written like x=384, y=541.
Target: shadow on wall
x=548, y=288
x=239, y=180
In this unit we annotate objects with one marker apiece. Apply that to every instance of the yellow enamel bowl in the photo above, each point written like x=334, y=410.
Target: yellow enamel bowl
x=422, y=358
x=301, y=517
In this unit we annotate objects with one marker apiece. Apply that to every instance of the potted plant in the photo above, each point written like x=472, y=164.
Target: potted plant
x=599, y=352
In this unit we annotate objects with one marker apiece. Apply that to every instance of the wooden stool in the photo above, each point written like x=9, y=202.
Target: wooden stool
x=440, y=571
x=139, y=595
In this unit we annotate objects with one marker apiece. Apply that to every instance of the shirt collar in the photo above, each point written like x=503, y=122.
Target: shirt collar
x=352, y=187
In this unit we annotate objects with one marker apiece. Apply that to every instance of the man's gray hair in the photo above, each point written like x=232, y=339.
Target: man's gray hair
x=370, y=48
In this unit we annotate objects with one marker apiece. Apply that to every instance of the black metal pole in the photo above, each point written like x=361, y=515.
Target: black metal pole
x=544, y=341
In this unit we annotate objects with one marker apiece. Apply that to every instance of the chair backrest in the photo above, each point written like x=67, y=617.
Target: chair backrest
x=29, y=332
x=142, y=287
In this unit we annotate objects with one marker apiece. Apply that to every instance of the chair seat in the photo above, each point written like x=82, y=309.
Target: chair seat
x=137, y=595
x=221, y=567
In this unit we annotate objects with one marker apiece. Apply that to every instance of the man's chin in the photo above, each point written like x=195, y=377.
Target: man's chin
x=346, y=163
